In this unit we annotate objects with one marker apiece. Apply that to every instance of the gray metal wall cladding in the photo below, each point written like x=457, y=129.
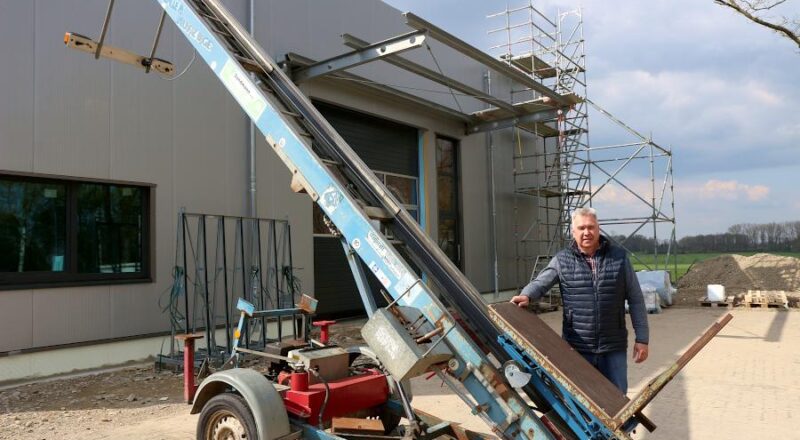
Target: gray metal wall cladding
x=385, y=146
x=64, y=113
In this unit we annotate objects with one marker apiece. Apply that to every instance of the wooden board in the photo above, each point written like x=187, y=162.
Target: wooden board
x=559, y=358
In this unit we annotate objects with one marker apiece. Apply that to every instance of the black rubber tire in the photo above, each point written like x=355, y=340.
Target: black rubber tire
x=226, y=405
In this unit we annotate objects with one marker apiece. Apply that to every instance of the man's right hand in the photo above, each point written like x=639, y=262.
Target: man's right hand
x=521, y=300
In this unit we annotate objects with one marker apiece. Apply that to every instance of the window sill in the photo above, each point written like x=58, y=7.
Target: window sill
x=54, y=284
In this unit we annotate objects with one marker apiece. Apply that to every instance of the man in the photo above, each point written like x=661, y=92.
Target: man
x=595, y=278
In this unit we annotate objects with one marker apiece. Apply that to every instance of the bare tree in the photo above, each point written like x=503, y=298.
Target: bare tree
x=756, y=11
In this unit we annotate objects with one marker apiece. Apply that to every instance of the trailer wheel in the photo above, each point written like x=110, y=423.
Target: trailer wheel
x=226, y=417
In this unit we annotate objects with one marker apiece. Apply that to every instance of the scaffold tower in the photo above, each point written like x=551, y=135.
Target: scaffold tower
x=552, y=170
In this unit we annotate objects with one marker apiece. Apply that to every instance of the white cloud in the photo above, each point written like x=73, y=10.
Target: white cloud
x=714, y=189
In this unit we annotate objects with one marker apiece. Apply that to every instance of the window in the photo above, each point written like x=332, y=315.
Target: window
x=59, y=232
x=447, y=182
x=403, y=188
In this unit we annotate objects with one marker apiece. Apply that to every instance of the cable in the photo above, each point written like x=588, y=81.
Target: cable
x=327, y=393
x=430, y=51
x=166, y=78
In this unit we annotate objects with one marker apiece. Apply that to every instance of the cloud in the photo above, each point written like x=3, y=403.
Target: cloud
x=725, y=190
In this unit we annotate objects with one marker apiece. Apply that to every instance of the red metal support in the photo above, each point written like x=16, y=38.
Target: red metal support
x=324, y=333
x=189, y=386
x=346, y=396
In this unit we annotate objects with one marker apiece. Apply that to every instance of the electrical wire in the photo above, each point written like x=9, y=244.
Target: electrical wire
x=167, y=78
x=327, y=393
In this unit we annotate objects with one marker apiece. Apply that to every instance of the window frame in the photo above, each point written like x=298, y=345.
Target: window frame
x=70, y=275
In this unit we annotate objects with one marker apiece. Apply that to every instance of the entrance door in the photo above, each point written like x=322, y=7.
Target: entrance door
x=448, y=203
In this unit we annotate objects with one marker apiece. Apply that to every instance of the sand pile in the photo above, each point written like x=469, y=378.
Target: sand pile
x=739, y=274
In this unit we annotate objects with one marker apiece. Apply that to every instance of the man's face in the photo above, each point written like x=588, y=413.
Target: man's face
x=586, y=233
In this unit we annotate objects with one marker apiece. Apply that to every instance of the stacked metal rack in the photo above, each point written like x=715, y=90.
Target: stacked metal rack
x=218, y=259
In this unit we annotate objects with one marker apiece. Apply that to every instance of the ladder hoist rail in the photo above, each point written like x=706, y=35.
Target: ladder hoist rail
x=289, y=122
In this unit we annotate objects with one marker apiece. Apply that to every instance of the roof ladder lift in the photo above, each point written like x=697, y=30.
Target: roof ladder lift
x=290, y=124
x=323, y=166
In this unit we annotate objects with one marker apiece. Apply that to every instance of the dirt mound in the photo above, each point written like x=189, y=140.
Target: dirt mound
x=739, y=274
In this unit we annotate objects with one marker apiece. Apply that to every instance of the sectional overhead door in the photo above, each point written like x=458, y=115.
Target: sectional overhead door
x=391, y=151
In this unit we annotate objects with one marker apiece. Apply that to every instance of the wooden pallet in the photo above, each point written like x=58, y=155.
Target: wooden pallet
x=765, y=299
x=706, y=303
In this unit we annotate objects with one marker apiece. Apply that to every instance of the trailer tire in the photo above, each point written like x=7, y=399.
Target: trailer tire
x=226, y=416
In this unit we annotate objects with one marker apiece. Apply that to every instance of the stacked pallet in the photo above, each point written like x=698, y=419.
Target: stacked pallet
x=765, y=299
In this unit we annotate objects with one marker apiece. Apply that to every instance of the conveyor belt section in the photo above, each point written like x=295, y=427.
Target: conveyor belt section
x=291, y=126
x=580, y=420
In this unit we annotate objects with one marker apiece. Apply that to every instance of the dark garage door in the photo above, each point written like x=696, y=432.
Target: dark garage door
x=388, y=148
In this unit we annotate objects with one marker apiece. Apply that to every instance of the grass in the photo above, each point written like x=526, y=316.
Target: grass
x=685, y=261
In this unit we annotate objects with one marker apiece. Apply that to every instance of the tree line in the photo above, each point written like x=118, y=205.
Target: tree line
x=742, y=237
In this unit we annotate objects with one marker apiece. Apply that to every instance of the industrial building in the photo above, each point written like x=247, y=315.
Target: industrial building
x=99, y=159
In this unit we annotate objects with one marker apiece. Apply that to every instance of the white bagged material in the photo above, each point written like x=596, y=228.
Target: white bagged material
x=659, y=279
x=715, y=292
x=652, y=300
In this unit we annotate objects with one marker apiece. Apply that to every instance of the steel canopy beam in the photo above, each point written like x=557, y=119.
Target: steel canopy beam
x=357, y=43
x=394, y=45
x=455, y=43
x=540, y=116
x=299, y=60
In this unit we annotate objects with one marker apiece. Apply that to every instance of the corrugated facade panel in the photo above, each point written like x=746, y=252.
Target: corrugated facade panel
x=16, y=308
x=17, y=38
x=64, y=113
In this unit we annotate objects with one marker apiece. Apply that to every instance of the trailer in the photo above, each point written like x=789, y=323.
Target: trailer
x=498, y=359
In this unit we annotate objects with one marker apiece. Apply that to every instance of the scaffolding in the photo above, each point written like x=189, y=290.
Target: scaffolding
x=552, y=170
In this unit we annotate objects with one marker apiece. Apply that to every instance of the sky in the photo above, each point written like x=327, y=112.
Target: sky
x=719, y=91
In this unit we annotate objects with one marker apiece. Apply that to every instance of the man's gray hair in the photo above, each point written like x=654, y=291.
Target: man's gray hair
x=584, y=211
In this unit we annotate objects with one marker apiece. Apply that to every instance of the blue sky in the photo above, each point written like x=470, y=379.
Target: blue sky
x=721, y=92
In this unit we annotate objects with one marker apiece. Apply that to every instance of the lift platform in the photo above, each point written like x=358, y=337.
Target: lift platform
x=585, y=399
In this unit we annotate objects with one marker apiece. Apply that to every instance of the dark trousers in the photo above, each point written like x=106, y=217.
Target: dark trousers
x=613, y=365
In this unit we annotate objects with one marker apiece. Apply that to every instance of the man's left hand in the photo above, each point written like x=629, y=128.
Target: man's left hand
x=640, y=352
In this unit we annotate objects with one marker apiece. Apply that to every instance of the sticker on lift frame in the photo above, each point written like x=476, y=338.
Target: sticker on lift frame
x=380, y=275
x=356, y=244
x=330, y=199
x=242, y=88
x=389, y=259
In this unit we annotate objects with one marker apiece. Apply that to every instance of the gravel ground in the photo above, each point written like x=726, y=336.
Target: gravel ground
x=58, y=409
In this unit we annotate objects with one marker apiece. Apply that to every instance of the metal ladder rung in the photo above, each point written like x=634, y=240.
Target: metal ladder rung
x=249, y=64
x=292, y=114
x=211, y=17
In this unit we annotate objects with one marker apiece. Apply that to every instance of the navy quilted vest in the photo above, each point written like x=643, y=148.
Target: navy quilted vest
x=594, y=310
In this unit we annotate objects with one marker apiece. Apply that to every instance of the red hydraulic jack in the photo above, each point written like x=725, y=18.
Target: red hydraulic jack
x=324, y=333
x=189, y=386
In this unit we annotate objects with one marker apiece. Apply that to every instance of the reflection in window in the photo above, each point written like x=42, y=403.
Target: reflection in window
x=109, y=229
x=447, y=202
x=56, y=232
x=32, y=226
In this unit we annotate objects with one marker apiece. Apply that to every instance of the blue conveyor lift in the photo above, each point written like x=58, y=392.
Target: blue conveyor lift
x=291, y=125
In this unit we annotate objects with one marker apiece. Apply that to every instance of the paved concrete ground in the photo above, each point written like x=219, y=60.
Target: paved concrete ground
x=745, y=384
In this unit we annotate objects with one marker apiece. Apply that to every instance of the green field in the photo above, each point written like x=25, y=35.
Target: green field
x=685, y=261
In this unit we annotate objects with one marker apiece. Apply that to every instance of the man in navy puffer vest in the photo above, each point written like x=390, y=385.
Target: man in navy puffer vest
x=595, y=278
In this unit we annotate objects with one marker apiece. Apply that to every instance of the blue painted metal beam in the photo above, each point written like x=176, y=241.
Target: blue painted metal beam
x=508, y=415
